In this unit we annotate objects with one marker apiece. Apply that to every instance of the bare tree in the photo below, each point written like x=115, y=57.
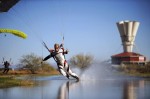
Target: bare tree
x=31, y=62
x=82, y=61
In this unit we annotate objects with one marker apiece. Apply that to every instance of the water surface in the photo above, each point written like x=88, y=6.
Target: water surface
x=58, y=87
x=98, y=82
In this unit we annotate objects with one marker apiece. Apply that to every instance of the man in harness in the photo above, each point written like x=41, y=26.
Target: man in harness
x=6, y=67
x=59, y=56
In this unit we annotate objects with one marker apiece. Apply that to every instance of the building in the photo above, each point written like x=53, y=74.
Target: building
x=128, y=30
x=128, y=58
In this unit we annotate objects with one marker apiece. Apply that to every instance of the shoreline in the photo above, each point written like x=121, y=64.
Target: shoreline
x=10, y=79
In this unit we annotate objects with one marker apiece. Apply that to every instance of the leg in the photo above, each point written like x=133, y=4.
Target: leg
x=67, y=68
x=4, y=70
x=62, y=71
x=7, y=70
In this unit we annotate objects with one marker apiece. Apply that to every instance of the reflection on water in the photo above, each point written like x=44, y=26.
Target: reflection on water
x=57, y=87
x=47, y=89
x=63, y=92
x=132, y=89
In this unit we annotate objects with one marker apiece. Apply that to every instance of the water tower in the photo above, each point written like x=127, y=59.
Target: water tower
x=128, y=31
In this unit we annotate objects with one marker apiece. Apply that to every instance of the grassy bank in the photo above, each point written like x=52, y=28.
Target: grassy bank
x=28, y=72
x=9, y=80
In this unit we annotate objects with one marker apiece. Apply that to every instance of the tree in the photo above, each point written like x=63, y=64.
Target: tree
x=82, y=61
x=31, y=62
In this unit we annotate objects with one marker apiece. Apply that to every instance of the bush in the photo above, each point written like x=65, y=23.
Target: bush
x=134, y=68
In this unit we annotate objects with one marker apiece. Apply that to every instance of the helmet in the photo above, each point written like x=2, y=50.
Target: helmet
x=56, y=45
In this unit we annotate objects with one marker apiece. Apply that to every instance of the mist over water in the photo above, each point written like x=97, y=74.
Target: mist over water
x=100, y=81
x=96, y=71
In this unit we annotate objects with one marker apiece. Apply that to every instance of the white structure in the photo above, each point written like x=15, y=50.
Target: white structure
x=128, y=31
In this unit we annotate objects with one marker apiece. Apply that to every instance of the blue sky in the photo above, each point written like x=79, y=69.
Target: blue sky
x=89, y=26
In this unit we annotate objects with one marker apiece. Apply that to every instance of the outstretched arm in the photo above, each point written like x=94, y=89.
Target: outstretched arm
x=47, y=57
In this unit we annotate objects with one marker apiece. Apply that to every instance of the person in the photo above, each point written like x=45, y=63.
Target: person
x=59, y=56
x=6, y=67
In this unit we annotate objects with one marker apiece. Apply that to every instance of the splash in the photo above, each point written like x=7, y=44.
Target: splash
x=97, y=71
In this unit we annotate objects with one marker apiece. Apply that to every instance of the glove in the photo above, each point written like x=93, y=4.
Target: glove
x=67, y=50
x=61, y=45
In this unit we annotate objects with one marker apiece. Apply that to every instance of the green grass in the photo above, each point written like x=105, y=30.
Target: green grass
x=10, y=81
x=139, y=74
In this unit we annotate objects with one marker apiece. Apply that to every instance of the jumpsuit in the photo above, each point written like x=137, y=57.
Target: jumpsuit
x=62, y=64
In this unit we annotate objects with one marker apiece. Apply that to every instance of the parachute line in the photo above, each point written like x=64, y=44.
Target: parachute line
x=44, y=44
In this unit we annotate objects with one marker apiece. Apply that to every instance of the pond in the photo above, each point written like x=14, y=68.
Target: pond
x=100, y=85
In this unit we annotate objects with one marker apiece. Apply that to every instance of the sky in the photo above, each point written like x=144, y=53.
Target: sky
x=88, y=26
